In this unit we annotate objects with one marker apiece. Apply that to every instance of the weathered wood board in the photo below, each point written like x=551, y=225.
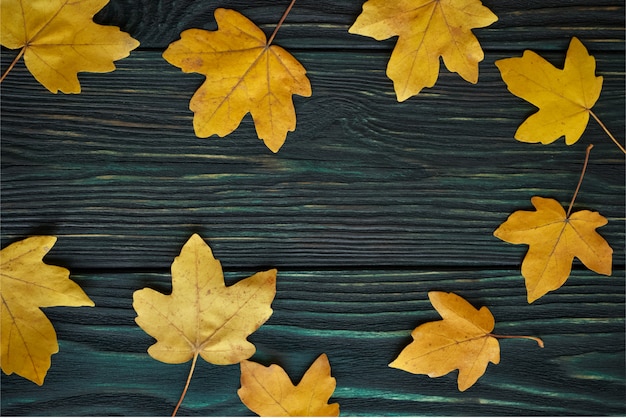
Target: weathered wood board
x=369, y=205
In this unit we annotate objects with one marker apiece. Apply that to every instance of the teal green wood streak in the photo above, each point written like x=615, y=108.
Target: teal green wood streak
x=361, y=319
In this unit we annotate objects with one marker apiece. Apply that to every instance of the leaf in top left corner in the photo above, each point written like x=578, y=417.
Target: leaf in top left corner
x=59, y=39
x=28, y=284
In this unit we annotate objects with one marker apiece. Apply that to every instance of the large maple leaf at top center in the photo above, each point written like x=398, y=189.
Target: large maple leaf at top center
x=243, y=74
x=426, y=30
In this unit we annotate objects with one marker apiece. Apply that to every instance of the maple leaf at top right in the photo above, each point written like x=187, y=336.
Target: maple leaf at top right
x=564, y=97
x=426, y=30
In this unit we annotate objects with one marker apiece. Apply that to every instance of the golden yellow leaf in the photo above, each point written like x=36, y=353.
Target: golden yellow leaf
x=564, y=97
x=244, y=73
x=426, y=30
x=202, y=316
x=554, y=240
x=28, y=284
x=462, y=340
x=59, y=39
x=268, y=391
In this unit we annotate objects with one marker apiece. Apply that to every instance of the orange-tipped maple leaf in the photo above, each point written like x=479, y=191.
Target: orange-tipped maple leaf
x=244, y=73
x=462, y=340
x=28, y=284
x=564, y=97
x=554, y=240
x=427, y=30
x=268, y=391
x=59, y=39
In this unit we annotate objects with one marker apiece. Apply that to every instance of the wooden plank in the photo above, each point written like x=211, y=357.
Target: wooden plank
x=369, y=205
x=118, y=174
x=361, y=319
x=323, y=24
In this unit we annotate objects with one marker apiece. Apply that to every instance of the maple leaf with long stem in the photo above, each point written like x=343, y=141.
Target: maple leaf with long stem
x=427, y=30
x=462, y=340
x=203, y=317
x=564, y=97
x=58, y=39
x=554, y=238
x=244, y=73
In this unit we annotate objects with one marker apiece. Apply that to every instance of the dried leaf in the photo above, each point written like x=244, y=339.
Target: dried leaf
x=243, y=74
x=554, y=240
x=268, y=391
x=564, y=97
x=28, y=284
x=59, y=39
x=202, y=316
x=462, y=340
x=427, y=30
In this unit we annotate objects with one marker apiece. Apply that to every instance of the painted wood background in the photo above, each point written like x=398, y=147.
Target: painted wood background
x=369, y=205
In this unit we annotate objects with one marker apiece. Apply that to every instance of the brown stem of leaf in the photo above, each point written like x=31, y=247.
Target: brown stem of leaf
x=280, y=22
x=607, y=131
x=182, y=396
x=580, y=180
x=15, y=60
x=539, y=341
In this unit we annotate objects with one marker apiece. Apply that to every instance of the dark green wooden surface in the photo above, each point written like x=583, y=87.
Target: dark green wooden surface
x=368, y=206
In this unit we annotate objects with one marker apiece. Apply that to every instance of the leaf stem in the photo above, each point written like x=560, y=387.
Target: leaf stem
x=280, y=22
x=15, y=60
x=182, y=396
x=607, y=131
x=580, y=180
x=538, y=340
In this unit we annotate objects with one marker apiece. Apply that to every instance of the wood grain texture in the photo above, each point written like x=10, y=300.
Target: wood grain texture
x=369, y=205
x=363, y=180
x=361, y=319
x=323, y=24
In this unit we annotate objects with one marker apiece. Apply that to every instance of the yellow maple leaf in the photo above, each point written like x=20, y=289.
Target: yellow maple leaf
x=202, y=316
x=426, y=30
x=462, y=340
x=554, y=239
x=564, y=97
x=268, y=391
x=28, y=284
x=244, y=73
x=58, y=39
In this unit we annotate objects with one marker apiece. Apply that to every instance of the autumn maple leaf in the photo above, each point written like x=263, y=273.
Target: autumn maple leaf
x=244, y=73
x=28, y=284
x=554, y=239
x=461, y=340
x=202, y=316
x=268, y=391
x=59, y=39
x=564, y=97
x=426, y=30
